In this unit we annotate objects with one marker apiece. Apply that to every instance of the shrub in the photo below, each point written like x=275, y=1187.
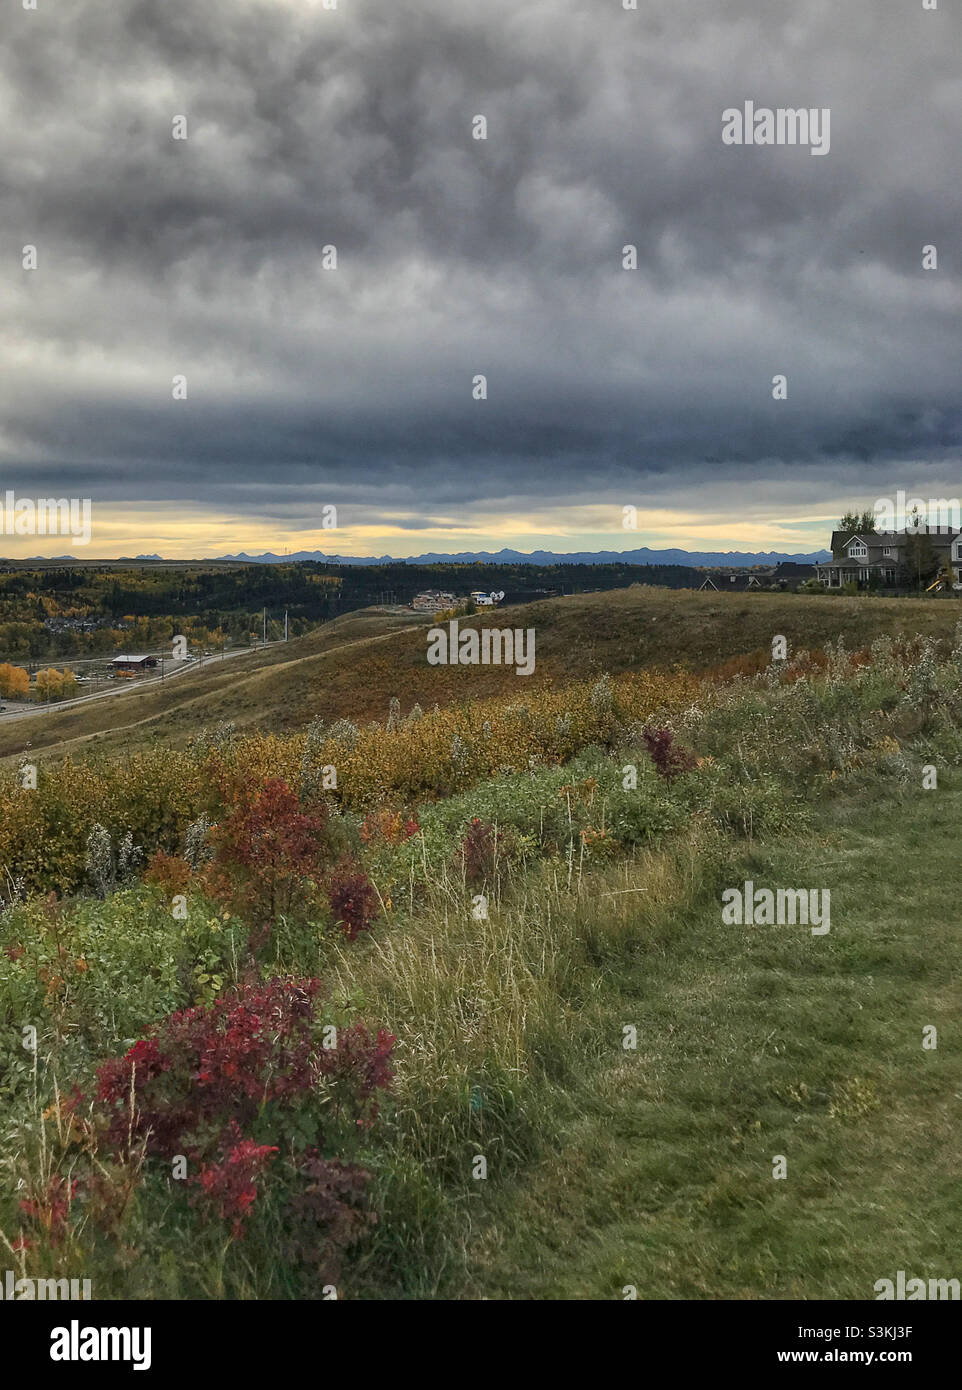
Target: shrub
x=353, y=900
x=205, y=1066
x=326, y=1213
x=479, y=850
x=230, y=1183
x=167, y=872
x=670, y=760
x=267, y=851
x=51, y=1209
x=388, y=827
x=217, y=1084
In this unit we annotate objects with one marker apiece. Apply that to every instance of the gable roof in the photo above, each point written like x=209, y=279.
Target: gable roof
x=840, y=539
x=729, y=582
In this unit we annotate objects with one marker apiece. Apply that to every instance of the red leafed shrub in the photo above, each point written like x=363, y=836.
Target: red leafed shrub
x=218, y=1083
x=353, y=902
x=482, y=847
x=268, y=852
x=670, y=760
x=230, y=1184
x=51, y=1210
x=208, y=1065
x=358, y=1067
x=326, y=1213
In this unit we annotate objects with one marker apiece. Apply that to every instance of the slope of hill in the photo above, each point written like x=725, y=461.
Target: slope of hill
x=499, y=932
x=352, y=668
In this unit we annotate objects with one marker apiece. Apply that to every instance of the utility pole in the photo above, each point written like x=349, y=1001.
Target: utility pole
x=285, y=625
x=265, y=628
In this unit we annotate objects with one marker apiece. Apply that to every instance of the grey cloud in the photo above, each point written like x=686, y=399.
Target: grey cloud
x=457, y=257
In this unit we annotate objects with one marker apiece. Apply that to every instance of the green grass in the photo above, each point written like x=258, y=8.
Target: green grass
x=754, y=1042
x=607, y=1167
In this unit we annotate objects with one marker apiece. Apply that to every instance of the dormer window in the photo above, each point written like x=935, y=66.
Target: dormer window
x=886, y=550
x=858, y=550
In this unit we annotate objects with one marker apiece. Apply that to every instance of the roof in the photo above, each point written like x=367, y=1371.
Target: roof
x=146, y=657
x=842, y=538
x=791, y=569
x=733, y=583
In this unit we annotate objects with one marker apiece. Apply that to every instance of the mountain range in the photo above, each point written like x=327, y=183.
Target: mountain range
x=642, y=556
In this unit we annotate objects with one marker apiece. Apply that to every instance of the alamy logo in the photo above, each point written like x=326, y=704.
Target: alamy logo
x=76, y=1343
x=915, y=514
x=39, y=1290
x=763, y=907
x=46, y=516
x=912, y=1290
x=492, y=646
x=783, y=126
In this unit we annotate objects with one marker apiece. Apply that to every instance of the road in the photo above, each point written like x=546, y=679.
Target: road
x=125, y=687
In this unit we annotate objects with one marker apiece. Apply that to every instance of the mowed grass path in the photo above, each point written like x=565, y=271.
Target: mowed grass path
x=755, y=1042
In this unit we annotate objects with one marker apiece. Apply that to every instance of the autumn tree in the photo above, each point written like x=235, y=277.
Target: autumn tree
x=14, y=682
x=48, y=684
x=269, y=853
x=52, y=684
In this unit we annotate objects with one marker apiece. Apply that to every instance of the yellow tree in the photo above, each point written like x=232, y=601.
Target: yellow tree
x=14, y=682
x=49, y=684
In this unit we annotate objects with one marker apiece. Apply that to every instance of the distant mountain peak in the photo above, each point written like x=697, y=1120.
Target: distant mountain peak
x=641, y=556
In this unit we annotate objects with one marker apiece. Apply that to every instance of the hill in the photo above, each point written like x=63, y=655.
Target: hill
x=352, y=668
x=527, y=958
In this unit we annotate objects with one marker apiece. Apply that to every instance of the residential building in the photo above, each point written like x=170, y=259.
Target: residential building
x=734, y=581
x=880, y=558
x=789, y=574
x=432, y=601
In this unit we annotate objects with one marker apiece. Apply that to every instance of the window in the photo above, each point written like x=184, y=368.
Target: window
x=858, y=551
x=886, y=550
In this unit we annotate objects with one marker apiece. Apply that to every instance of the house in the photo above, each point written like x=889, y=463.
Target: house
x=59, y=625
x=879, y=558
x=432, y=601
x=732, y=581
x=132, y=665
x=482, y=600
x=788, y=575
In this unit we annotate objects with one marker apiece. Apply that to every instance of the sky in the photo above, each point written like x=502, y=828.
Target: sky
x=202, y=260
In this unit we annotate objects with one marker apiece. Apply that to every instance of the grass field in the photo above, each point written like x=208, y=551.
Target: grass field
x=753, y=1043
x=527, y=881
x=267, y=689
x=353, y=668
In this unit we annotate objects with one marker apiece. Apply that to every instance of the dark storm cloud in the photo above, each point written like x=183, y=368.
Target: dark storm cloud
x=309, y=127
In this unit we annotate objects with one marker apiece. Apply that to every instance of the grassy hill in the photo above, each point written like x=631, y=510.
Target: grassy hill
x=353, y=667
x=479, y=933
x=251, y=689
x=751, y=1044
